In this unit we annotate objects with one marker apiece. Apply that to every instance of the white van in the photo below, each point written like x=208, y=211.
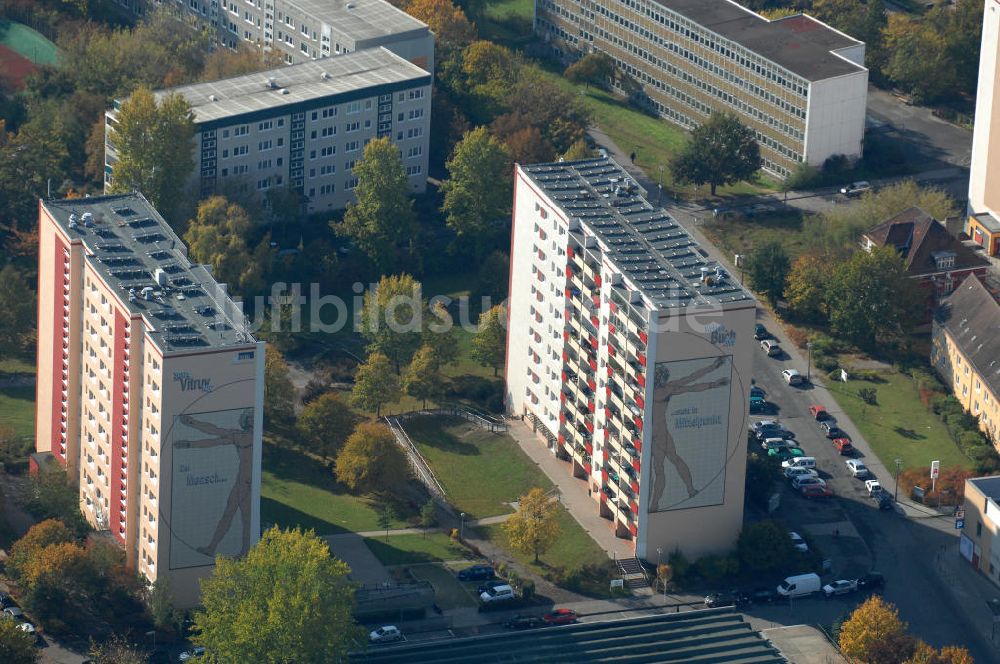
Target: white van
x=800, y=585
x=799, y=462
x=497, y=594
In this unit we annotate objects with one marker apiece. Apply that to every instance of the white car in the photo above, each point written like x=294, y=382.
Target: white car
x=872, y=487
x=776, y=443
x=806, y=480
x=798, y=542
x=841, y=587
x=27, y=627
x=792, y=472
x=385, y=634
x=856, y=188
x=189, y=655
x=857, y=468
x=792, y=376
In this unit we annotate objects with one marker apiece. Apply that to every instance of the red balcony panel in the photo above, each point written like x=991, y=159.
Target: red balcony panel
x=640, y=402
x=614, y=307
x=638, y=423
x=593, y=343
x=607, y=411
x=604, y=497
x=606, y=434
x=562, y=397
x=634, y=529
x=642, y=358
x=610, y=371
x=597, y=280
x=569, y=251
x=590, y=406
x=593, y=365
x=605, y=454
x=538, y=296
x=591, y=384
x=635, y=486
x=565, y=335
x=596, y=299
x=634, y=506
x=568, y=293
x=641, y=379
x=590, y=425
x=589, y=447
x=604, y=476
x=643, y=336
x=611, y=328
x=541, y=255
x=569, y=273
x=611, y=351
x=635, y=465
x=587, y=468
x=608, y=390
x=564, y=378
x=562, y=439
x=637, y=444
x=565, y=356
x=562, y=418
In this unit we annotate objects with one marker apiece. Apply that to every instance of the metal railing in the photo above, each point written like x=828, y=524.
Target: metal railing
x=417, y=462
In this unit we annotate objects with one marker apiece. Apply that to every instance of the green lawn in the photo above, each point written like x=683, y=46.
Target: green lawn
x=480, y=471
x=17, y=409
x=299, y=491
x=449, y=593
x=15, y=365
x=740, y=236
x=28, y=42
x=899, y=426
x=413, y=549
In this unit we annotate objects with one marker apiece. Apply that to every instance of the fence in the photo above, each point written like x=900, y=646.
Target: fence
x=417, y=461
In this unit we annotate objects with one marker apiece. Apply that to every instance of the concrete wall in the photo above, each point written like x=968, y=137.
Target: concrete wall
x=984, y=180
x=836, y=117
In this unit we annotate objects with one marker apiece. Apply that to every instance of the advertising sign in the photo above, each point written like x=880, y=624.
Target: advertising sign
x=935, y=469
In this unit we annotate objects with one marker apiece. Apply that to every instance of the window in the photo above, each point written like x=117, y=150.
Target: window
x=328, y=169
x=242, y=130
x=328, y=131
x=416, y=113
x=353, y=107
x=225, y=133
x=330, y=112
x=263, y=163
x=312, y=154
x=241, y=150
x=265, y=145
x=281, y=123
x=263, y=184
x=326, y=189
x=352, y=146
x=415, y=132
x=415, y=94
x=265, y=125
x=349, y=165
x=414, y=170
x=328, y=151
x=225, y=154
x=351, y=184
x=352, y=126
x=414, y=151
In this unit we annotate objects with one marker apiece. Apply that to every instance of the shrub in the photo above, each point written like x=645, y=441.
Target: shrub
x=528, y=589
x=681, y=565
x=825, y=362
x=454, y=534
x=869, y=395
x=798, y=336
x=715, y=568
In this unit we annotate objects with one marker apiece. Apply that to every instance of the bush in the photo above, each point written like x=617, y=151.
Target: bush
x=681, y=565
x=949, y=488
x=836, y=164
x=715, y=568
x=869, y=395
x=528, y=589
x=825, y=362
x=797, y=336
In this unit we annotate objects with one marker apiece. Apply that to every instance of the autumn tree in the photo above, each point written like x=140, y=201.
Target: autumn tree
x=478, y=191
x=17, y=312
x=392, y=318
x=422, y=378
x=578, y=150
x=805, y=287
x=722, y=150
x=558, y=113
x=16, y=645
x=873, y=621
x=534, y=527
x=767, y=268
x=223, y=63
x=325, y=423
x=217, y=236
x=375, y=384
x=42, y=534
x=381, y=218
x=117, y=650
x=279, y=392
x=451, y=28
x=154, y=144
x=287, y=595
x=528, y=146
x=594, y=68
x=372, y=461
x=489, y=346
x=491, y=69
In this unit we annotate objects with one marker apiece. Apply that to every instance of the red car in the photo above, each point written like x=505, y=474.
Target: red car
x=560, y=617
x=818, y=413
x=843, y=446
x=816, y=491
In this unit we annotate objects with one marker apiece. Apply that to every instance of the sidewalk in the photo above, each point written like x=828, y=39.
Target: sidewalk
x=970, y=588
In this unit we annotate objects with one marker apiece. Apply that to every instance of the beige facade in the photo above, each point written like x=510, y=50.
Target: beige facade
x=630, y=356
x=979, y=541
x=983, y=218
x=141, y=354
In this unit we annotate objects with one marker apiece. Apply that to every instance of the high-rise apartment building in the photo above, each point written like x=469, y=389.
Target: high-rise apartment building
x=305, y=126
x=150, y=388
x=304, y=30
x=800, y=85
x=983, y=219
x=630, y=355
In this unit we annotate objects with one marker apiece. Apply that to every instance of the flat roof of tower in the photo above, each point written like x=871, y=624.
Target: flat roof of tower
x=128, y=243
x=801, y=44
x=361, y=19
x=294, y=84
x=643, y=241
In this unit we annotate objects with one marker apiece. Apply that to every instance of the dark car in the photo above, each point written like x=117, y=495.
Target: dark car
x=476, y=573
x=763, y=595
x=732, y=598
x=871, y=582
x=772, y=431
x=489, y=585
x=833, y=431
x=760, y=332
x=523, y=622
x=883, y=500
x=6, y=600
x=757, y=392
x=560, y=617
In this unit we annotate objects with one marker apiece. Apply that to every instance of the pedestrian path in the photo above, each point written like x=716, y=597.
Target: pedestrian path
x=971, y=589
x=485, y=521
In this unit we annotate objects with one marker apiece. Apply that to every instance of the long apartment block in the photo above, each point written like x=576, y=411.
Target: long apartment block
x=304, y=126
x=798, y=83
x=304, y=30
x=983, y=219
x=629, y=353
x=150, y=388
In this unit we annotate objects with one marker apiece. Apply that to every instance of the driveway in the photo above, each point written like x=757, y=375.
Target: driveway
x=925, y=139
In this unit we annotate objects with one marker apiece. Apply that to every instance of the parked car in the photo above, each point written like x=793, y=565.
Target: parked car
x=794, y=471
x=757, y=404
x=819, y=413
x=799, y=462
x=873, y=487
x=840, y=587
x=844, y=446
x=831, y=430
x=13, y=612
x=770, y=347
x=871, y=582
x=762, y=595
x=756, y=391
x=560, y=617
x=800, y=585
x=760, y=332
x=883, y=500
x=776, y=443
x=523, y=622
x=798, y=542
x=27, y=627
x=385, y=634
x=732, y=598
x=500, y=593
x=786, y=453
x=476, y=573
x=194, y=653
x=485, y=587
x=816, y=492
x=799, y=482
x=857, y=468
x=856, y=188
x=793, y=377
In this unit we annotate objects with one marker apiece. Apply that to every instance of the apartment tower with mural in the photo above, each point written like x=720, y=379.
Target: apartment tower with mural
x=629, y=354
x=150, y=389
x=983, y=219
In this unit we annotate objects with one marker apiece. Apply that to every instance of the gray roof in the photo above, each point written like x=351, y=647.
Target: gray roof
x=361, y=19
x=293, y=84
x=800, y=43
x=989, y=222
x=971, y=315
x=649, y=247
x=127, y=241
x=711, y=635
x=990, y=486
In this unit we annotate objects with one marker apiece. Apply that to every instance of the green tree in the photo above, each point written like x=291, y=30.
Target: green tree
x=428, y=515
x=325, y=423
x=160, y=602
x=805, y=287
x=489, y=346
x=478, y=191
x=16, y=312
x=385, y=519
x=287, y=599
x=375, y=384
x=767, y=268
x=154, y=143
x=578, y=150
x=217, y=236
x=279, y=393
x=372, y=461
x=722, y=150
x=762, y=477
x=491, y=71
x=16, y=646
x=870, y=623
x=382, y=216
x=765, y=546
x=592, y=69
x=494, y=277
x=439, y=334
x=117, y=650
x=559, y=113
x=534, y=527
x=391, y=320
x=55, y=496
x=872, y=299
x=422, y=378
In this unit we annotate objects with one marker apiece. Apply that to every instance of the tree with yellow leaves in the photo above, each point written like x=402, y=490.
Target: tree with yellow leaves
x=872, y=622
x=452, y=29
x=534, y=527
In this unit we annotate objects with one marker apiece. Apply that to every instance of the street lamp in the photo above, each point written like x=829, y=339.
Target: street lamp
x=895, y=497
x=809, y=347
x=461, y=527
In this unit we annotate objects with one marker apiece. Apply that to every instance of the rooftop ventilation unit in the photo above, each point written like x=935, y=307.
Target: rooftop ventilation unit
x=87, y=219
x=160, y=277
x=271, y=83
x=147, y=293
x=325, y=75
x=213, y=98
x=72, y=221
